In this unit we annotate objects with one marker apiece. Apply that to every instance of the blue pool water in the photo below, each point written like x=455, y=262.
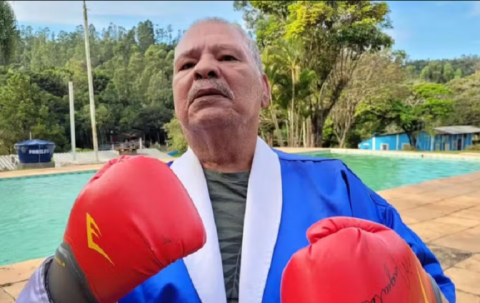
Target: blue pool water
x=379, y=172
x=34, y=210
x=34, y=213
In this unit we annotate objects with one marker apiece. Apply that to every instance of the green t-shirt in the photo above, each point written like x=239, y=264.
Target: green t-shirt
x=228, y=193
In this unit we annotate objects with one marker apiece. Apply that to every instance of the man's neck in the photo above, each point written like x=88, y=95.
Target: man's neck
x=224, y=151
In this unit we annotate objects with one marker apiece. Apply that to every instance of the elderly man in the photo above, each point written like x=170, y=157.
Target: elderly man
x=255, y=203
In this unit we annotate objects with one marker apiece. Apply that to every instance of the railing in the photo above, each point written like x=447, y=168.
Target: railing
x=9, y=162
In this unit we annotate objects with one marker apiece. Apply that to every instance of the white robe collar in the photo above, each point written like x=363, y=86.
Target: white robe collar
x=262, y=221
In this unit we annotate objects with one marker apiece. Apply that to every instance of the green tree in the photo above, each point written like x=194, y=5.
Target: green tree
x=427, y=106
x=176, y=138
x=145, y=35
x=8, y=32
x=448, y=73
x=426, y=74
x=25, y=110
x=334, y=34
x=376, y=76
x=312, y=52
x=463, y=66
x=277, y=79
x=289, y=54
x=466, y=100
x=433, y=72
x=458, y=73
x=132, y=75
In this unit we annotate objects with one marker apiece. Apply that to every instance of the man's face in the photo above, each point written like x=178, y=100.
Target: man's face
x=215, y=79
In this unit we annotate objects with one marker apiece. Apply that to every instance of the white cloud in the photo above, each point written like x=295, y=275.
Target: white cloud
x=71, y=12
x=397, y=35
x=48, y=12
x=442, y=3
x=476, y=8
x=243, y=24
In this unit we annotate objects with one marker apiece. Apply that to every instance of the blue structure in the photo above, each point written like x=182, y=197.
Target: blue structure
x=173, y=153
x=447, y=138
x=35, y=151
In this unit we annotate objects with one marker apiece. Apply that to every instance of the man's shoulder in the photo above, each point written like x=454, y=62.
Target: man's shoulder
x=319, y=168
x=309, y=159
x=315, y=167
x=333, y=175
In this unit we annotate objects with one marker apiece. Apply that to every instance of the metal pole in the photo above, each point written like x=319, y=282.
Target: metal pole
x=72, y=121
x=90, y=84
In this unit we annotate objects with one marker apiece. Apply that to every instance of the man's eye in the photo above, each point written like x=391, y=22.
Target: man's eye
x=186, y=66
x=228, y=58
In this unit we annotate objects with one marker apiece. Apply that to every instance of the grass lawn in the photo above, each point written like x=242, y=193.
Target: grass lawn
x=451, y=152
x=458, y=152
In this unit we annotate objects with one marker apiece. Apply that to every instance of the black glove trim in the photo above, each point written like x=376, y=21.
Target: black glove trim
x=46, y=280
x=65, y=269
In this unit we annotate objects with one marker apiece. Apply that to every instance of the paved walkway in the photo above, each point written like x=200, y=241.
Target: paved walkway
x=49, y=171
x=55, y=170
x=444, y=213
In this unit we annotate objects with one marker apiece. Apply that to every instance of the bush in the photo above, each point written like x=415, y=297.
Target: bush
x=80, y=150
x=475, y=147
x=176, y=139
x=158, y=146
x=408, y=147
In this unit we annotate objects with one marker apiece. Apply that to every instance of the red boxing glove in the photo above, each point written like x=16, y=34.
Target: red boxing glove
x=129, y=222
x=354, y=260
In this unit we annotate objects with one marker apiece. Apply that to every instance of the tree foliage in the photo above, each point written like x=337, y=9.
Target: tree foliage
x=132, y=76
x=376, y=78
x=322, y=39
x=334, y=79
x=8, y=32
x=467, y=100
x=335, y=82
x=176, y=139
x=426, y=107
x=440, y=71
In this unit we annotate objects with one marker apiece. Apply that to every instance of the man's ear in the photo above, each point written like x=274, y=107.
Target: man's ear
x=267, y=93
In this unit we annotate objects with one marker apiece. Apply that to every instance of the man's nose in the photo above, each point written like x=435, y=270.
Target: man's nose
x=206, y=69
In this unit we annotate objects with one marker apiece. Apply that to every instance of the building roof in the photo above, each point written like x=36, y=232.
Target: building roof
x=34, y=142
x=459, y=129
x=388, y=134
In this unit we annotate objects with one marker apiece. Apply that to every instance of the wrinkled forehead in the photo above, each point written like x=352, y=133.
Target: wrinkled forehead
x=210, y=36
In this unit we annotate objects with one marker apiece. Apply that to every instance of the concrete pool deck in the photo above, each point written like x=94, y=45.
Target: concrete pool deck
x=445, y=213
x=55, y=170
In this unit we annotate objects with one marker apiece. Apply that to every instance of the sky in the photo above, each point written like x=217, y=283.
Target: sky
x=424, y=29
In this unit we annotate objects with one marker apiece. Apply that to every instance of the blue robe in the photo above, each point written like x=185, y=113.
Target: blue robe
x=287, y=193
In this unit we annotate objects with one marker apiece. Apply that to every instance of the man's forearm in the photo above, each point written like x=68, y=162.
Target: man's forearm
x=64, y=281
x=52, y=284
x=439, y=297
x=35, y=291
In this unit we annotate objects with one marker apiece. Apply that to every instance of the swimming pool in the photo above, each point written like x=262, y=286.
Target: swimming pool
x=34, y=213
x=34, y=210
x=380, y=172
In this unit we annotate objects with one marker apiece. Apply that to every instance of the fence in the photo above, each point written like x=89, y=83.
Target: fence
x=9, y=162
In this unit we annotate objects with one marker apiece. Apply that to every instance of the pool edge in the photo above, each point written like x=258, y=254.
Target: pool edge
x=15, y=174
x=14, y=276
x=393, y=154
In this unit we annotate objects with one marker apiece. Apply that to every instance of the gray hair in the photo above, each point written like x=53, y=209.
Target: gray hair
x=250, y=43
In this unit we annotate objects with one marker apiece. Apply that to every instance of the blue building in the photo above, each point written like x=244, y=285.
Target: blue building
x=447, y=138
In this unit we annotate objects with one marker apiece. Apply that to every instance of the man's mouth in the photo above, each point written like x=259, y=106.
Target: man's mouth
x=208, y=92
